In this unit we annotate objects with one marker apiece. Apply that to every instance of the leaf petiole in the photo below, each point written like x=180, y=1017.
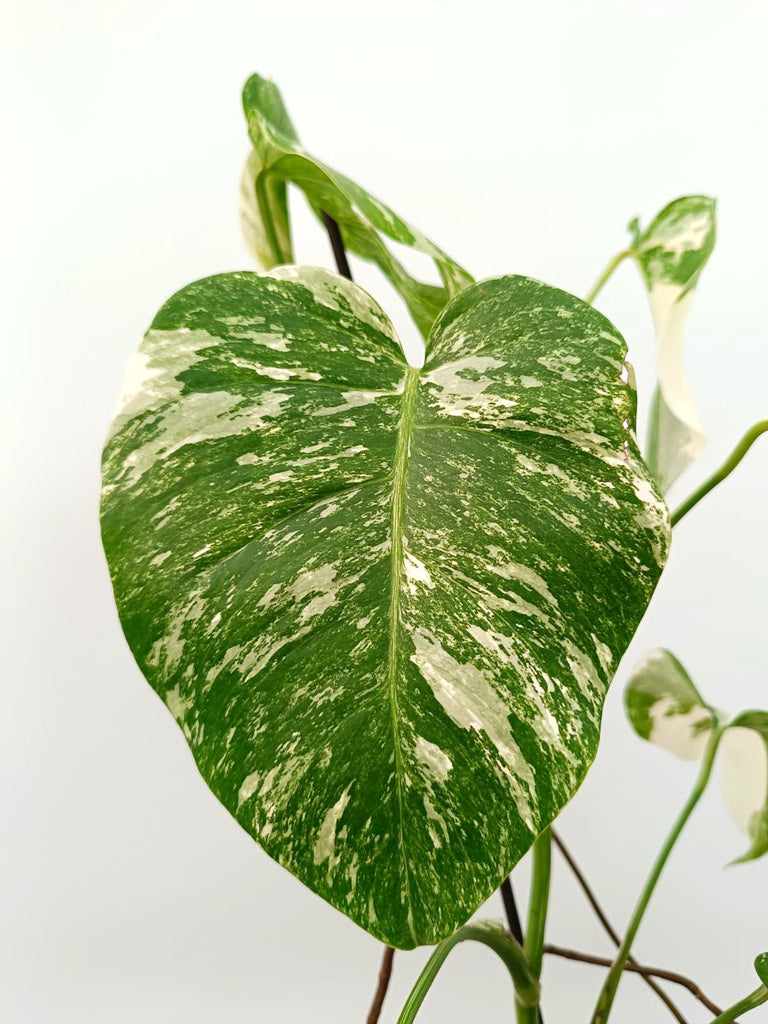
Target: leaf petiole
x=493, y=935
x=750, y=1002
x=537, y=914
x=608, y=993
x=720, y=474
x=607, y=273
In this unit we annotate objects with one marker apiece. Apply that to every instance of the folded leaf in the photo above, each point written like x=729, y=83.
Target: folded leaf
x=384, y=604
x=671, y=254
x=761, y=967
x=745, y=778
x=364, y=221
x=665, y=708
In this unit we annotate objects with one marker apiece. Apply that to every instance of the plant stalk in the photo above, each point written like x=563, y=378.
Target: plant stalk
x=265, y=213
x=337, y=245
x=607, y=273
x=537, y=916
x=750, y=1002
x=510, y=908
x=725, y=470
x=611, y=931
x=385, y=974
x=495, y=936
x=608, y=993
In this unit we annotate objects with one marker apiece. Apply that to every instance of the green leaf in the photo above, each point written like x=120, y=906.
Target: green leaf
x=384, y=604
x=671, y=254
x=745, y=778
x=761, y=967
x=264, y=197
x=665, y=708
x=364, y=221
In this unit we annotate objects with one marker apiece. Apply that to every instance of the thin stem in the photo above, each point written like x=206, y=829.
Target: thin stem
x=337, y=244
x=635, y=968
x=599, y=284
x=385, y=973
x=495, y=936
x=750, y=1002
x=537, y=909
x=725, y=470
x=510, y=909
x=608, y=993
x=613, y=934
x=537, y=916
x=265, y=212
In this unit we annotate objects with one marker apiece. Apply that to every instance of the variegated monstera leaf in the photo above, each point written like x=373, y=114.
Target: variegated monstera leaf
x=664, y=707
x=671, y=253
x=366, y=224
x=383, y=603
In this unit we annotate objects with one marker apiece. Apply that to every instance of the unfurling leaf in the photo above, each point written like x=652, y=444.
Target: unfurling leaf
x=364, y=221
x=761, y=967
x=745, y=778
x=384, y=604
x=671, y=254
x=664, y=707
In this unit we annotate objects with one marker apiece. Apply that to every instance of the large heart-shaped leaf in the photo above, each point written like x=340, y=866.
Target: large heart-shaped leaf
x=671, y=254
x=665, y=708
x=383, y=603
x=364, y=221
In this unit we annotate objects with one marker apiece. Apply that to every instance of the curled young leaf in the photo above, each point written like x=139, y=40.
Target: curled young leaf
x=363, y=220
x=665, y=708
x=264, y=197
x=761, y=968
x=745, y=778
x=671, y=253
x=384, y=604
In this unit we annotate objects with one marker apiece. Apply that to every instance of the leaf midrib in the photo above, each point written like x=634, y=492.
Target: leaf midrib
x=397, y=554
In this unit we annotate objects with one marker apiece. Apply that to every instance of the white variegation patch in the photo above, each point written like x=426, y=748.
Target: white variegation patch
x=671, y=254
x=665, y=707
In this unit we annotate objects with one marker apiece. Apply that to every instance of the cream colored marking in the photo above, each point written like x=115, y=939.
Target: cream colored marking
x=745, y=774
x=680, y=734
x=435, y=761
x=326, y=837
x=468, y=697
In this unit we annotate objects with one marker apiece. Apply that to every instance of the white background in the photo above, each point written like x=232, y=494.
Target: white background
x=522, y=137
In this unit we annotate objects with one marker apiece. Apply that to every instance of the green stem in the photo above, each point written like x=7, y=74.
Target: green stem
x=725, y=470
x=754, y=999
x=598, y=286
x=495, y=936
x=265, y=212
x=537, y=911
x=608, y=993
x=537, y=915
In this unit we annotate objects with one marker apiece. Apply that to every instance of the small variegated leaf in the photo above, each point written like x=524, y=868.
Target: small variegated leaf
x=671, y=254
x=364, y=221
x=263, y=197
x=384, y=604
x=270, y=234
x=744, y=758
x=665, y=708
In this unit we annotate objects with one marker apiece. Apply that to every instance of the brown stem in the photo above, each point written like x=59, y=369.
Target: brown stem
x=510, y=909
x=385, y=973
x=646, y=972
x=337, y=244
x=611, y=931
